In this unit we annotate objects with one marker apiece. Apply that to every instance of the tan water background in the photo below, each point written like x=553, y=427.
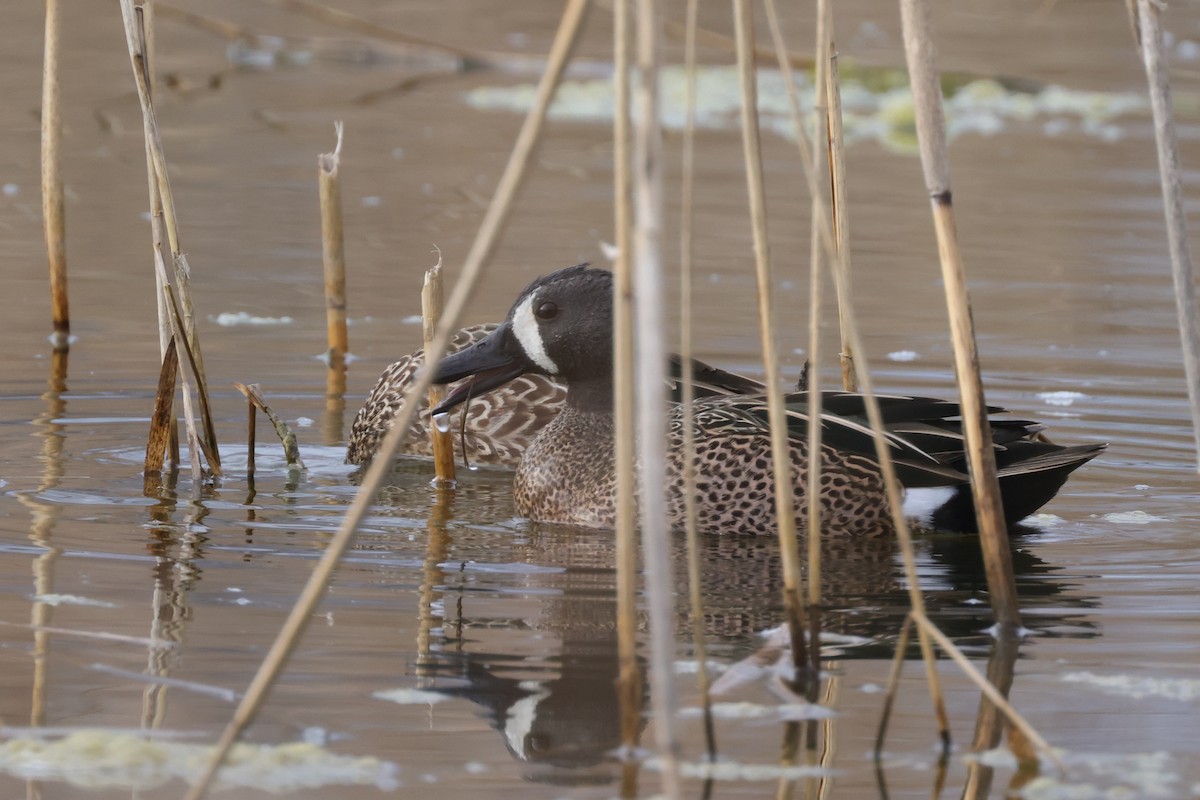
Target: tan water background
x=1063, y=236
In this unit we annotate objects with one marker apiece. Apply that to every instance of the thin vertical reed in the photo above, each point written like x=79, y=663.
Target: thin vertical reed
x=785, y=509
x=686, y=242
x=431, y=313
x=1170, y=172
x=625, y=450
x=837, y=182
x=333, y=250
x=381, y=465
x=927, y=100
x=251, y=435
x=650, y=359
x=53, y=212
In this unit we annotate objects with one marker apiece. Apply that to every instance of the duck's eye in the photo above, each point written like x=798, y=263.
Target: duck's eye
x=546, y=310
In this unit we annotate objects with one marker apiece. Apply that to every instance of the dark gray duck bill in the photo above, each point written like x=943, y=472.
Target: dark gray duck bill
x=488, y=364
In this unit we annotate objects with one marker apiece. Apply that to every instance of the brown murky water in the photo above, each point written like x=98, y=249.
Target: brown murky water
x=509, y=626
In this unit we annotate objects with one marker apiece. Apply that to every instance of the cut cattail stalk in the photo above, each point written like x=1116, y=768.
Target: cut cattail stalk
x=431, y=313
x=52, y=182
x=381, y=466
x=777, y=416
x=931, y=134
x=333, y=252
x=1150, y=38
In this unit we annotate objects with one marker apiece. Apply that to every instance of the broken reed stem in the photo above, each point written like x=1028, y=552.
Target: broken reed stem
x=785, y=511
x=431, y=312
x=139, y=56
x=381, y=465
x=1170, y=174
x=291, y=448
x=837, y=182
x=691, y=512
x=629, y=685
x=53, y=211
x=333, y=251
x=927, y=101
x=650, y=361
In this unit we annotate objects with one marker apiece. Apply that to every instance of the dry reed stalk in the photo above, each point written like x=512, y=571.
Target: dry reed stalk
x=650, y=360
x=1150, y=39
x=333, y=251
x=785, y=510
x=158, y=236
x=927, y=101
x=629, y=683
x=53, y=211
x=139, y=55
x=381, y=466
x=837, y=181
x=686, y=242
x=431, y=312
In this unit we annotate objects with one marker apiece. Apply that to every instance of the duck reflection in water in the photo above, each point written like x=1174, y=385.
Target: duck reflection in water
x=556, y=711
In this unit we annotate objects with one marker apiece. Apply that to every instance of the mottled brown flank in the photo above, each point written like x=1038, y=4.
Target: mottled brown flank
x=568, y=476
x=500, y=424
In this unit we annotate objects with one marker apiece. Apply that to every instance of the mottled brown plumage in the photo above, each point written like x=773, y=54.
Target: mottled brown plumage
x=500, y=424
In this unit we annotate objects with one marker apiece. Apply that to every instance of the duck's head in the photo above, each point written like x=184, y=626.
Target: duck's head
x=560, y=326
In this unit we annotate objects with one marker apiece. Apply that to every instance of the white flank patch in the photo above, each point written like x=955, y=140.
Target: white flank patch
x=920, y=504
x=525, y=326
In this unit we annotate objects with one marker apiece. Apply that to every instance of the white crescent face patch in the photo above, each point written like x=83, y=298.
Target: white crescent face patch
x=525, y=326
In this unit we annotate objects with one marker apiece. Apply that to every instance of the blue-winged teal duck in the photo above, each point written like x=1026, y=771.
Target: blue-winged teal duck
x=499, y=425
x=561, y=327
